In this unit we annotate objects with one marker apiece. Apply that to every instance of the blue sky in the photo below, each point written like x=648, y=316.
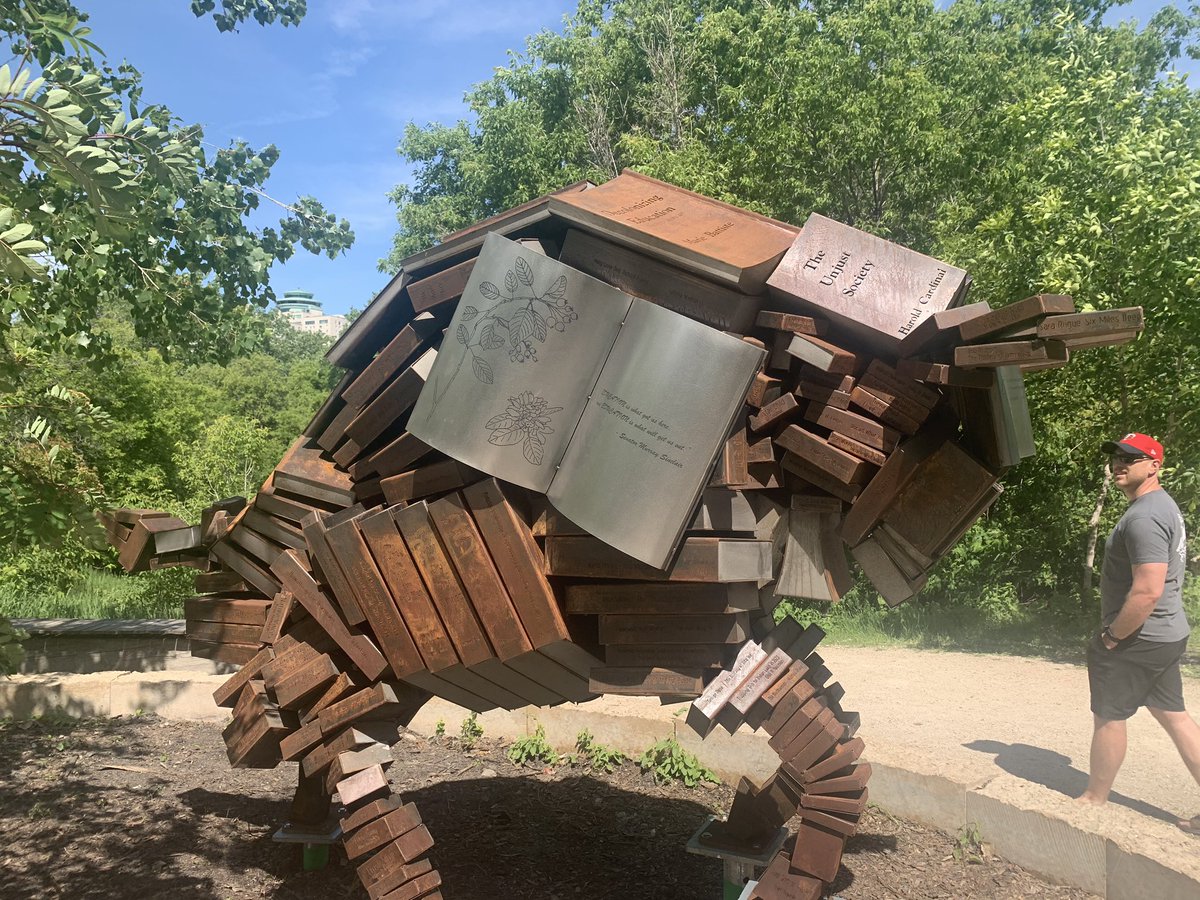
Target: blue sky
x=334, y=95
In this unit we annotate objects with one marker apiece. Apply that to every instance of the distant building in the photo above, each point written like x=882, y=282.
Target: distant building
x=305, y=314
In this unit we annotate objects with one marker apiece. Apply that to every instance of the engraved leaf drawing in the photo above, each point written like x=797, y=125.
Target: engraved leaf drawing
x=558, y=290
x=505, y=437
x=533, y=452
x=488, y=339
x=489, y=290
x=482, y=370
x=522, y=326
x=524, y=272
x=463, y=336
x=510, y=281
x=469, y=313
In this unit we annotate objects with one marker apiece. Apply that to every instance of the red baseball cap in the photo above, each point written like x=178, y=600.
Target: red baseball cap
x=1135, y=444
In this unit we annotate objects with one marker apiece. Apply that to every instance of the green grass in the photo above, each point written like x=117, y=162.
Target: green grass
x=938, y=626
x=103, y=595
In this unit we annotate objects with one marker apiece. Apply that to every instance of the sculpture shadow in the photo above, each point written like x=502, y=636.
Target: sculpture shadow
x=1054, y=771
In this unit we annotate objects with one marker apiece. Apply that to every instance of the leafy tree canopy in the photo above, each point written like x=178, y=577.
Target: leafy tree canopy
x=110, y=204
x=1024, y=140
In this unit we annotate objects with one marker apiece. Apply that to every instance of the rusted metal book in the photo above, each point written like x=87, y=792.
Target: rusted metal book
x=392, y=402
x=435, y=478
x=672, y=656
x=341, y=688
x=434, y=292
x=648, y=681
x=778, y=882
x=406, y=877
x=659, y=598
x=857, y=448
x=358, y=647
x=818, y=851
x=823, y=355
x=943, y=373
x=374, y=598
x=763, y=390
x=886, y=383
x=847, y=780
x=404, y=581
x=941, y=327
x=383, y=830
x=291, y=692
x=232, y=610
x=228, y=692
x=445, y=589
x=716, y=240
x=946, y=486
x=315, y=529
x=305, y=472
x=776, y=413
x=224, y=633
x=279, y=531
x=861, y=428
x=889, y=579
x=292, y=509
x=233, y=557
x=818, y=452
x=872, y=288
x=673, y=629
x=845, y=754
x=644, y=276
x=820, y=393
x=760, y=451
x=521, y=565
x=1011, y=353
x=362, y=785
x=277, y=617
x=377, y=701
x=394, y=358
x=808, y=477
x=699, y=559
x=895, y=409
x=369, y=812
x=234, y=654
x=890, y=479
x=793, y=322
x=395, y=457
x=1026, y=311
x=404, y=849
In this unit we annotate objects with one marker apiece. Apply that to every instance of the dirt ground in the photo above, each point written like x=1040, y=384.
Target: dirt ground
x=145, y=807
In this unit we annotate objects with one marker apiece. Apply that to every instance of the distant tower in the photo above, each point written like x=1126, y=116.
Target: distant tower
x=304, y=314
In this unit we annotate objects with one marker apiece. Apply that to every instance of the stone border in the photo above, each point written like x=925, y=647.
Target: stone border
x=1056, y=849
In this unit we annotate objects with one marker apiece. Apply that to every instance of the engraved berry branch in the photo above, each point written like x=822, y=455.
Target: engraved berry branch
x=516, y=320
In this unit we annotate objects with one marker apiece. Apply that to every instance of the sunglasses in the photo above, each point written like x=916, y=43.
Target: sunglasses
x=1125, y=459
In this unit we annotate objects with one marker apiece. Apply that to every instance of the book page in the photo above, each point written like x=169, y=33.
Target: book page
x=656, y=419
x=520, y=356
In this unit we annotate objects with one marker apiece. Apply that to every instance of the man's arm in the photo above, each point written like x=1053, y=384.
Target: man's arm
x=1148, y=582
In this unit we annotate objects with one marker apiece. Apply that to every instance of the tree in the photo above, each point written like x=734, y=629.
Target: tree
x=1022, y=139
x=110, y=203
x=231, y=458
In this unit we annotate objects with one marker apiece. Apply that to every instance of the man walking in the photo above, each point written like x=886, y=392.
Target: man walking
x=1134, y=660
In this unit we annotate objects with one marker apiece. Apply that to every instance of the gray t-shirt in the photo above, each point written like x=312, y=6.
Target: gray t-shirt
x=1151, y=531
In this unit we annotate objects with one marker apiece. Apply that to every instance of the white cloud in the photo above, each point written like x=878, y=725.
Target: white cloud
x=385, y=19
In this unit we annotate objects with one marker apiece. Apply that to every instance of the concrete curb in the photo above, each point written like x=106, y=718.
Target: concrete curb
x=1009, y=816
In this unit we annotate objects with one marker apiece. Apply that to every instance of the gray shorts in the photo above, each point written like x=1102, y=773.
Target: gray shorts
x=1137, y=673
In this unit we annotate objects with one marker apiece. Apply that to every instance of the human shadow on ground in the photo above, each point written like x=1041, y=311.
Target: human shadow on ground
x=1054, y=771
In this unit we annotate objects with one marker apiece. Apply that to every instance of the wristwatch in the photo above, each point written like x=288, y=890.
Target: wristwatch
x=1106, y=635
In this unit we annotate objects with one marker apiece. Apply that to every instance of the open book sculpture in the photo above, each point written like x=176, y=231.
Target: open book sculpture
x=548, y=474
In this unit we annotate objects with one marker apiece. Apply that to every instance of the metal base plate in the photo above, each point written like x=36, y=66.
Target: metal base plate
x=330, y=833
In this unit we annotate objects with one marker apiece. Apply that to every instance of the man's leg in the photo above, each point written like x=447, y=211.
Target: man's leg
x=1108, y=752
x=1185, y=733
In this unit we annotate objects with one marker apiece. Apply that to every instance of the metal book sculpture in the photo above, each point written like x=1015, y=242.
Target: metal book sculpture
x=586, y=447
